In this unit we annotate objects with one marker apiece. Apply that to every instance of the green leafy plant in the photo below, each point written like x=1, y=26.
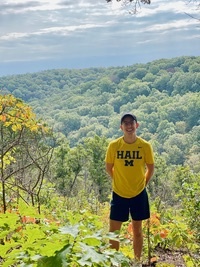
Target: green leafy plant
x=27, y=241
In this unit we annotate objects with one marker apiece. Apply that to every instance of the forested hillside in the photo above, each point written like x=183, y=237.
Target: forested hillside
x=164, y=94
x=54, y=189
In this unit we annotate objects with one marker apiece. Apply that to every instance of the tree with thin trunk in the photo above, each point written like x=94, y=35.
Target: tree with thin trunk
x=25, y=152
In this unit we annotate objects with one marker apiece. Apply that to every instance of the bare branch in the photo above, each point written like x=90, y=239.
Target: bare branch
x=192, y=16
x=136, y=4
x=136, y=1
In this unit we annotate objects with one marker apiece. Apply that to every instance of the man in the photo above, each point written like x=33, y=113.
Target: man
x=130, y=164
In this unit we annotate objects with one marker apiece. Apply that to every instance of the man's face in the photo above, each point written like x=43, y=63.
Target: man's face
x=129, y=125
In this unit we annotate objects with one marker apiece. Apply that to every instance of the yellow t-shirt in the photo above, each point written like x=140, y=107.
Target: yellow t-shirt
x=129, y=165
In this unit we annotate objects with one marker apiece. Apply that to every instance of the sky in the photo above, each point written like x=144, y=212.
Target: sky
x=38, y=35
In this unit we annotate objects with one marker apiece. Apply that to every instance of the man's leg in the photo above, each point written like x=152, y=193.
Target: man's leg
x=114, y=226
x=137, y=239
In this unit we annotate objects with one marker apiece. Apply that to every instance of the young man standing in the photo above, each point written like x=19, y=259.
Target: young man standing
x=130, y=164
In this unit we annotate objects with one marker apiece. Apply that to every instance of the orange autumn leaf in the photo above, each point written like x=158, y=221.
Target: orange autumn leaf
x=153, y=259
x=3, y=117
x=163, y=233
x=19, y=229
x=155, y=219
x=27, y=219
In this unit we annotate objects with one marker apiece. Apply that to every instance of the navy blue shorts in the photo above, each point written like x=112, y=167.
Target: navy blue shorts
x=137, y=207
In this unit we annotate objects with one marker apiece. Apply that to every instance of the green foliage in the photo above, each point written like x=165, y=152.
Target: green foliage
x=72, y=236
x=167, y=230
x=96, y=149
x=190, y=199
x=24, y=145
x=82, y=168
x=84, y=103
x=78, y=242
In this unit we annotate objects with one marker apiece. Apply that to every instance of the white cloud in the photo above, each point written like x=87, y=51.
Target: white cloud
x=175, y=24
x=51, y=30
x=55, y=29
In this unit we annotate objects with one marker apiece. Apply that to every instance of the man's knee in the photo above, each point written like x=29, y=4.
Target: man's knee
x=115, y=225
x=137, y=228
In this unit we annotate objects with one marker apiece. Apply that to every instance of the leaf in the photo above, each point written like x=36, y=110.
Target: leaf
x=9, y=220
x=16, y=127
x=3, y=117
x=59, y=260
x=50, y=247
x=34, y=128
x=92, y=241
x=34, y=233
x=25, y=210
x=90, y=255
x=71, y=230
x=5, y=248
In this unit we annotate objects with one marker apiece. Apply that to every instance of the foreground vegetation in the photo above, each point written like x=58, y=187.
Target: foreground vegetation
x=66, y=236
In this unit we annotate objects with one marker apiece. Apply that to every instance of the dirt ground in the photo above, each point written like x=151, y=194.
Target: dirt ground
x=175, y=258
x=168, y=258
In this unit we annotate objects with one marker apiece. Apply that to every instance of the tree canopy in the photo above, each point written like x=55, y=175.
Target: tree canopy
x=24, y=150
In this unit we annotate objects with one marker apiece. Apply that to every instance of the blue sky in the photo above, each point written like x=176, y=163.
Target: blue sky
x=40, y=35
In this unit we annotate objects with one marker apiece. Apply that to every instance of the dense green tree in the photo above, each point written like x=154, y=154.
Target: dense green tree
x=101, y=110
x=82, y=168
x=69, y=122
x=106, y=85
x=61, y=169
x=195, y=67
x=149, y=77
x=174, y=146
x=140, y=73
x=149, y=120
x=71, y=169
x=153, y=68
x=185, y=83
x=96, y=148
x=193, y=112
x=165, y=130
x=188, y=196
x=159, y=187
x=180, y=127
x=161, y=82
x=132, y=88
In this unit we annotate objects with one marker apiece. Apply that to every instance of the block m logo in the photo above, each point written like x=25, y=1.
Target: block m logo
x=128, y=162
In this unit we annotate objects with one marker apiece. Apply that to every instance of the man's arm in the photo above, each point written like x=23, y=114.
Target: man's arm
x=109, y=169
x=149, y=172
